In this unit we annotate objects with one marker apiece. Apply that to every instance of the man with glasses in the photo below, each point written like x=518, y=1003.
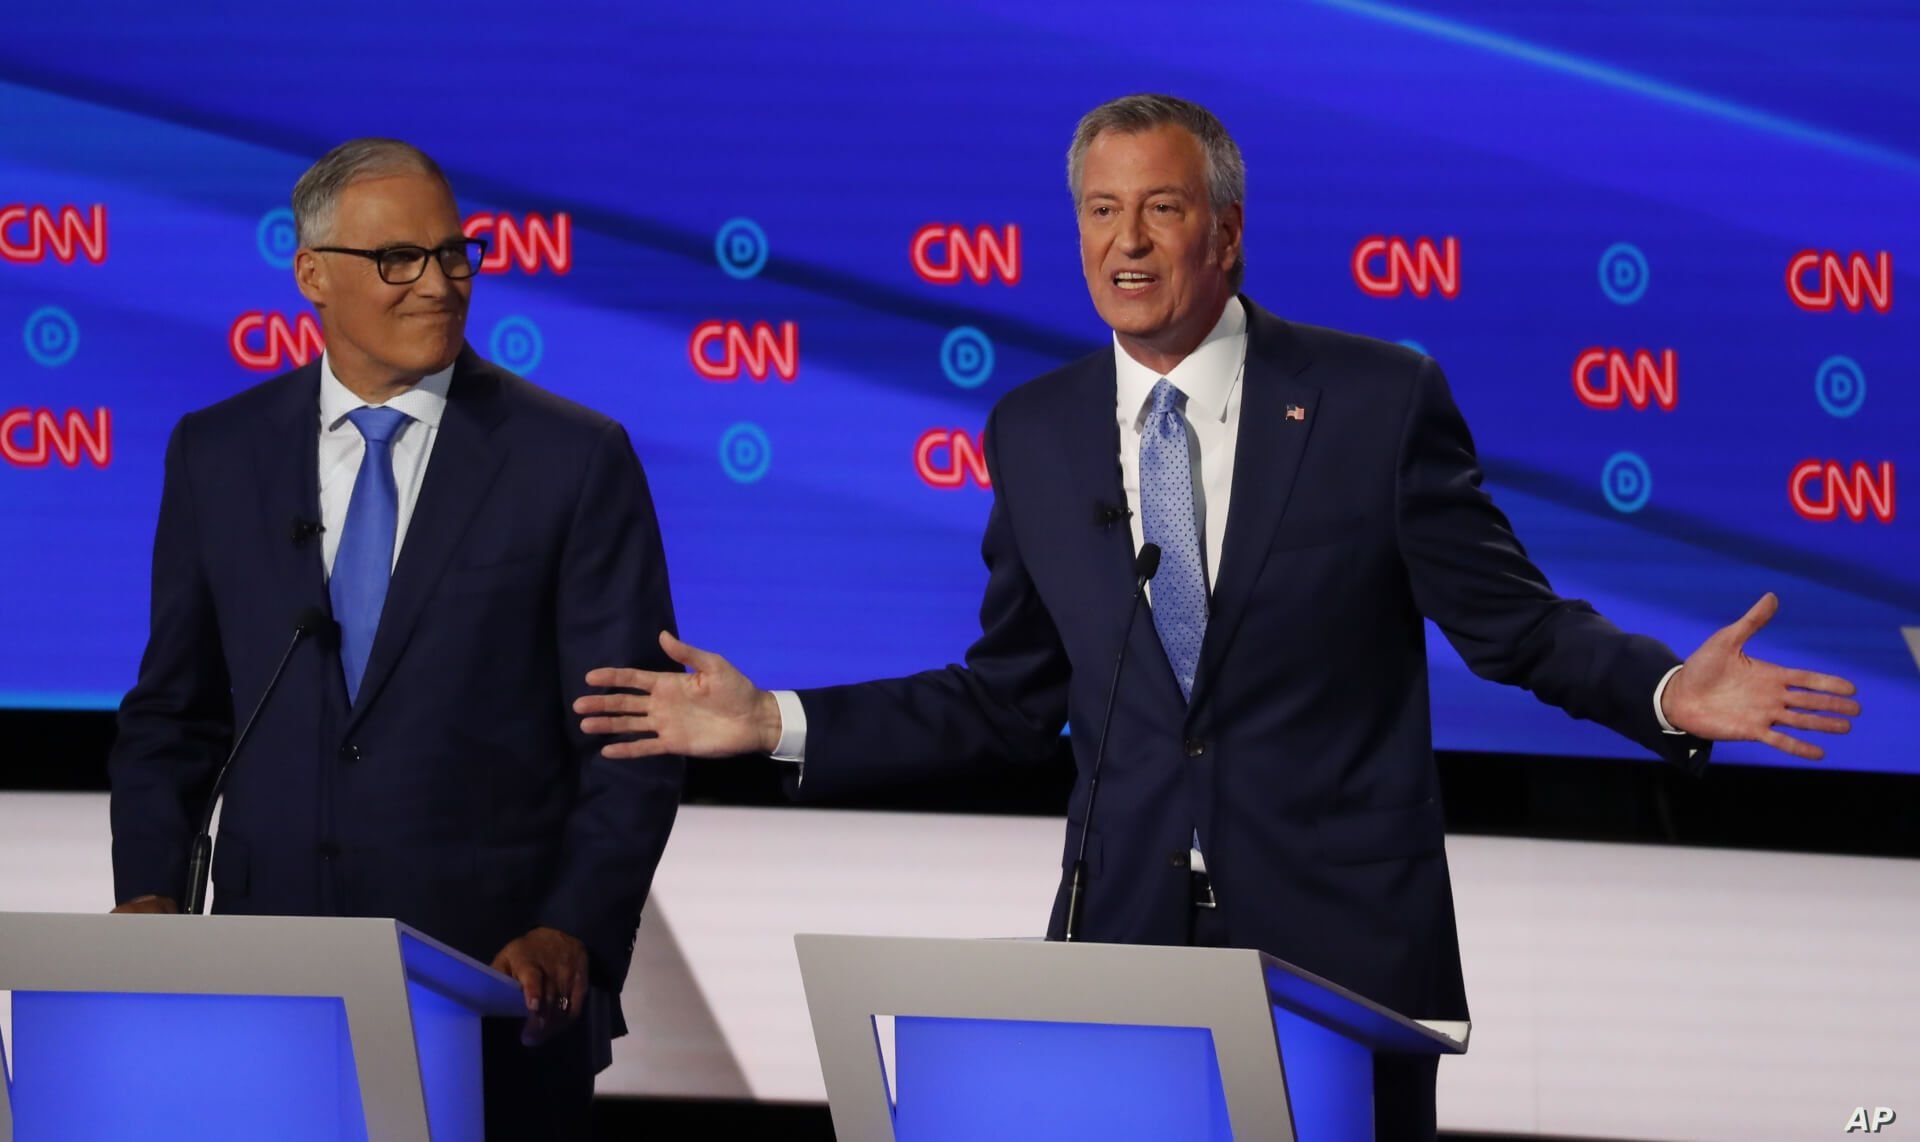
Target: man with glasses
x=479, y=544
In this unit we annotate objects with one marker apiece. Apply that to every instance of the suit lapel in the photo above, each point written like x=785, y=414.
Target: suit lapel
x=1091, y=451
x=1266, y=458
x=460, y=472
x=287, y=458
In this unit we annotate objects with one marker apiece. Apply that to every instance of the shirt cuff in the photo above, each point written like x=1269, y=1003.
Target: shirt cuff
x=1659, y=693
x=793, y=727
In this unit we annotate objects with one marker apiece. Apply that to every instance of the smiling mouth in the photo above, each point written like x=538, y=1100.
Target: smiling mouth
x=1131, y=281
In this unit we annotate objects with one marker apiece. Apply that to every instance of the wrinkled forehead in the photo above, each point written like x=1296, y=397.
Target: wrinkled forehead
x=394, y=209
x=1127, y=164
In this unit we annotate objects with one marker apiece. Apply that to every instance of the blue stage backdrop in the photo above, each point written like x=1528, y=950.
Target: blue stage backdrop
x=1664, y=250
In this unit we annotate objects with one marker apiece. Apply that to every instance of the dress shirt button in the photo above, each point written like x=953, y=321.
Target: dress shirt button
x=350, y=752
x=1195, y=747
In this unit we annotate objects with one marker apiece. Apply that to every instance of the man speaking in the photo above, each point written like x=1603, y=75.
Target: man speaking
x=477, y=544
x=1269, y=779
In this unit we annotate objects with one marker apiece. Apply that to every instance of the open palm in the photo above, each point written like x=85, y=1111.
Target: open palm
x=1723, y=695
x=715, y=711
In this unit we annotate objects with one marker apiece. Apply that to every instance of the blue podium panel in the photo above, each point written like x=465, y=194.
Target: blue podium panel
x=1329, y=1080
x=447, y=1035
x=206, y=1068
x=968, y=1079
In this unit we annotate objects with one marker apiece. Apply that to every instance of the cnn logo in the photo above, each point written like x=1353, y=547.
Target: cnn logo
x=1817, y=280
x=943, y=254
x=1824, y=489
x=949, y=458
x=31, y=437
x=1387, y=267
x=527, y=244
x=722, y=350
x=1606, y=378
x=268, y=342
x=30, y=233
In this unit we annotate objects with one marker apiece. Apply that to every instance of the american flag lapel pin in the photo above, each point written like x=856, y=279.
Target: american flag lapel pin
x=1295, y=412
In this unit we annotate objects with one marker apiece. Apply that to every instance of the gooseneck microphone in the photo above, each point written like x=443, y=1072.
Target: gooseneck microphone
x=1144, y=566
x=310, y=620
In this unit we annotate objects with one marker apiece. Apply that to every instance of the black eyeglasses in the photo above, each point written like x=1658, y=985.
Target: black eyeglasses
x=403, y=265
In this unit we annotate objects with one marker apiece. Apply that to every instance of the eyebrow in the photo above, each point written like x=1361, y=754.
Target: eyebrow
x=1149, y=193
x=430, y=245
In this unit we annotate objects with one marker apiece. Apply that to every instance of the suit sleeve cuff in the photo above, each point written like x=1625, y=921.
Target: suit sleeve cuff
x=1659, y=696
x=793, y=727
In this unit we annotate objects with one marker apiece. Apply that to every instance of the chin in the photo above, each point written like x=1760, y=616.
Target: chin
x=1125, y=319
x=437, y=357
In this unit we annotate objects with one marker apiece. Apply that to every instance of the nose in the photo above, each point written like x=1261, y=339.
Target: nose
x=1133, y=235
x=434, y=283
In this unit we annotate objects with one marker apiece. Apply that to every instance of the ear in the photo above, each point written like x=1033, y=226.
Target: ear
x=1230, y=223
x=310, y=274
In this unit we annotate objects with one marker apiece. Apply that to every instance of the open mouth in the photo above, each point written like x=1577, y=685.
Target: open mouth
x=1132, y=281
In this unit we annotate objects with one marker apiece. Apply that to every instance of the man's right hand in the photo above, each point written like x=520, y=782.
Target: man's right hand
x=150, y=905
x=716, y=711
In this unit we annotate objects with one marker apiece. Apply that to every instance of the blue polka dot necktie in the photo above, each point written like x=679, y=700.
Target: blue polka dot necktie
x=364, y=561
x=1167, y=518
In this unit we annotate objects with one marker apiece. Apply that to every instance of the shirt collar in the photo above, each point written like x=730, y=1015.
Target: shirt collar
x=1206, y=376
x=425, y=402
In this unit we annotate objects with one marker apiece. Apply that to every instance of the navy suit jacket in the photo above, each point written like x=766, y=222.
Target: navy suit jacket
x=458, y=793
x=1304, y=759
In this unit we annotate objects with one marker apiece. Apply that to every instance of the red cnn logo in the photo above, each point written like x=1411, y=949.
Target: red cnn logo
x=529, y=244
x=1602, y=377
x=758, y=349
x=948, y=458
x=941, y=253
x=1384, y=267
x=28, y=233
x=1820, y=489
x=277, y=341
x=1818, y=278
x=29, y=437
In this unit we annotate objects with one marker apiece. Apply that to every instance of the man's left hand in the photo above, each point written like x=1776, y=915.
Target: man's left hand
x=551, y=968
x=1722, y=695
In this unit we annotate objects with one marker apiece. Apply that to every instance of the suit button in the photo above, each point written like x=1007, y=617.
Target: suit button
x=1195, y=747
x=1179, y=859
x=350, y=753
x=327, y=850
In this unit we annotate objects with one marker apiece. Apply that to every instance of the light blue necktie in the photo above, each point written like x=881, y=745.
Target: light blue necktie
x=1167, y=518
x=364, y=561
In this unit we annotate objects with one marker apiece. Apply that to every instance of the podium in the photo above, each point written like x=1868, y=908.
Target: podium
x=299, y=1029
x=1019, y=1039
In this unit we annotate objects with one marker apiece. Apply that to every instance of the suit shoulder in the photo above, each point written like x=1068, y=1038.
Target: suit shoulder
x=243, y=411
x=545, y=408
x=1051, y=391
x=1353, y=354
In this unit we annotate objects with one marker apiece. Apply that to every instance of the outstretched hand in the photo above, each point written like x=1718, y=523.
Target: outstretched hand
x=1723, y=695
x=715, y=711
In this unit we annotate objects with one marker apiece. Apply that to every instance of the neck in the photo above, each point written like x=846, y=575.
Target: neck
x=369, y=381
x=1164, y=352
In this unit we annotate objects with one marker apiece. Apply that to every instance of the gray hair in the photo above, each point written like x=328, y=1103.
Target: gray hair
x=318, y=191
x=1134, y=114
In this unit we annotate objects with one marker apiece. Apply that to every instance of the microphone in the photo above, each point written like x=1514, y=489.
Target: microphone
x=302, y=530
x=1106, y=515
x=1144, y=566
x=310, y=621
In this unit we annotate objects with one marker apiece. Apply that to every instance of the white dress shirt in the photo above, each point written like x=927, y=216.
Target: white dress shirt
x=1211, y=378
x=342, y=448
